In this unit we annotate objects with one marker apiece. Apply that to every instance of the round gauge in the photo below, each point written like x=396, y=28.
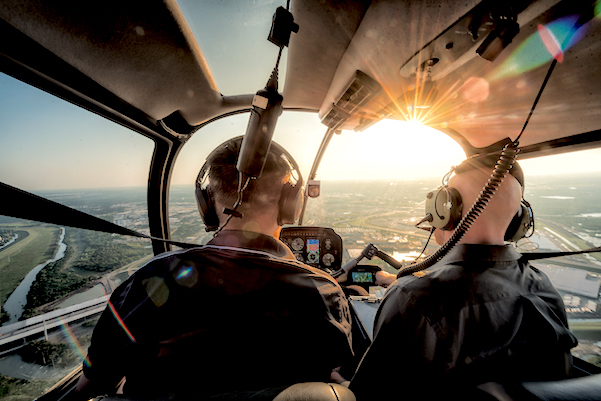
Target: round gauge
x=299, y=257
x=297, y=244
x=328, y=259
x=312, y=258
x=327, y=243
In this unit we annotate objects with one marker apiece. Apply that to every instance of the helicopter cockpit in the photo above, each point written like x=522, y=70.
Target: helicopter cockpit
x=110, y=109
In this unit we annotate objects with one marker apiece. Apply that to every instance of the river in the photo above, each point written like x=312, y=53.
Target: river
x=18, y=299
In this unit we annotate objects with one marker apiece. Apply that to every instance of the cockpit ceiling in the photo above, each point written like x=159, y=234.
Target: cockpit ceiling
x=140, y=50
x=484, y=101
x=143, y=52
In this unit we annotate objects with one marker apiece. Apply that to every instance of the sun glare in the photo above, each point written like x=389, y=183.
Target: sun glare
x=399, y=150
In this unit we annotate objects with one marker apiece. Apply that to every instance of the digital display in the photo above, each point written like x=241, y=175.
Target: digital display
x=312, y=250
x=363, y=277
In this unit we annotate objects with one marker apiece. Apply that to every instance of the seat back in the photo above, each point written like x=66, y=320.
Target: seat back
x=316, y=391
x=586, y=388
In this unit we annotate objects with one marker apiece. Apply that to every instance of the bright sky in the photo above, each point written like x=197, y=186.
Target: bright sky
x=389, y=150
x=46, y=143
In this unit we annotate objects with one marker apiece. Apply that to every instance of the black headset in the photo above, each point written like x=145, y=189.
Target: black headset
x=445, y=205
x=291, y=199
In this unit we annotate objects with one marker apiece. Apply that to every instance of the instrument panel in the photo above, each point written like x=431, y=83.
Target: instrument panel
x=316, y=246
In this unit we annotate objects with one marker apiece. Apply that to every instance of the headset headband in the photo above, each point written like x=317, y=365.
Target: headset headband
x=488, y=161
x=290, y=199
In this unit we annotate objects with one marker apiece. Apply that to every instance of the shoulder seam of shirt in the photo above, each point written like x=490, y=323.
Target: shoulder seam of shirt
x=233, y=248
x=229, y=248
x=257, y=252
x=156, y=258
x=292, y=262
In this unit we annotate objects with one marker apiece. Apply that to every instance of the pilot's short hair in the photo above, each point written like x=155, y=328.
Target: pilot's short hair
x=224, y=175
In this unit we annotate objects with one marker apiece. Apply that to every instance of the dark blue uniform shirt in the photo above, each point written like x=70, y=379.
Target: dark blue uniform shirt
x=481, y=314
x=238, y=314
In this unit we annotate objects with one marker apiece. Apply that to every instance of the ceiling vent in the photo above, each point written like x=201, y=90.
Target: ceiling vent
x=352, y=110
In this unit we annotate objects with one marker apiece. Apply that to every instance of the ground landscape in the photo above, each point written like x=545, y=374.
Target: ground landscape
x=567, y=211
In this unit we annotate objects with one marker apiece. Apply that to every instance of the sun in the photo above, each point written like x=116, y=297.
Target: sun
x=391, y=149
x=416, y=146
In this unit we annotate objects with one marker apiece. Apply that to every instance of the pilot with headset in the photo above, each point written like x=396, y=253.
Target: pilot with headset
x=481, y=314
x=239, y=315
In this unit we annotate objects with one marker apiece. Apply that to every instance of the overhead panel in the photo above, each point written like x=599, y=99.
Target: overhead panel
x=486, y=101
x=351, y=110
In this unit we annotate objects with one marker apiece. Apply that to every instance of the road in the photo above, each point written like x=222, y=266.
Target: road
x=42, y=323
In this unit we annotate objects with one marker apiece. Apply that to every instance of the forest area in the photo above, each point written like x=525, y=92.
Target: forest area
x=88, y=257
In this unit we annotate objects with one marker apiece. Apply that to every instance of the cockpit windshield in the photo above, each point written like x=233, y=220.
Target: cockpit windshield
x=369, y=188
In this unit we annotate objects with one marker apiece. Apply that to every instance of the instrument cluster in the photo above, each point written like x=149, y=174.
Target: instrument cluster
x=316, y=246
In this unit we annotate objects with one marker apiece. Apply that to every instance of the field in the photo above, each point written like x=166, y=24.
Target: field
x=19, y=258
x=89, y=257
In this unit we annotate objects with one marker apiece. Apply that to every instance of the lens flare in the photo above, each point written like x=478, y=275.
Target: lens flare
x=185, y=272
x=118, y=318
x=551, y=41
x=475, y=89
x=74, y=342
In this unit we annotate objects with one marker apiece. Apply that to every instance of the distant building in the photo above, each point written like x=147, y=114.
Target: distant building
x=574, y=281
x=571, y=300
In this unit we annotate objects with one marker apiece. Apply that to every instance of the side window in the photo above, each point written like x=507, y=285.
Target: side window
x=54, y=277
x=185, y=223
x=564, y=194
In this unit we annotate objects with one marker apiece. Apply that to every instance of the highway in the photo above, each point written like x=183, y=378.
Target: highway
x=47, y=321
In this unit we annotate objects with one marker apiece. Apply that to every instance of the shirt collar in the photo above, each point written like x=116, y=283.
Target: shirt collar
x=252, y=240
x=480, y=253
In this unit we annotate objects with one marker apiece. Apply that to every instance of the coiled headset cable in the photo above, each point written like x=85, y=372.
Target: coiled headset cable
x=502, y=167
x=504, y=164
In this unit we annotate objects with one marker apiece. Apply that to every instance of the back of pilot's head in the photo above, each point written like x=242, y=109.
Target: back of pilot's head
x=471, y=177
x=276, y=193
x=263, y=191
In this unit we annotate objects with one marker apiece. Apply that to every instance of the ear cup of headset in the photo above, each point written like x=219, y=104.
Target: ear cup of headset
x=521, y=223
x=291, y=198
x=444, y=205
x=291, y=202
x=204, y=200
